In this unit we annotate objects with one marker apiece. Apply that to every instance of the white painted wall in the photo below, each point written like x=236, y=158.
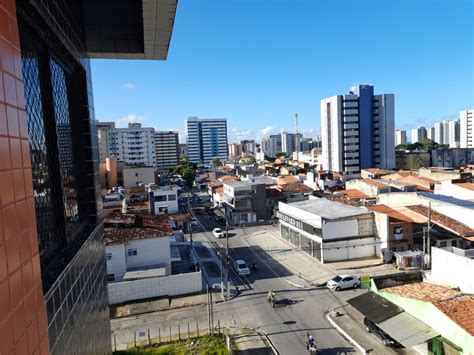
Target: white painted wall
x=117, y=265
x=449, y=189
x=300, y=214
x=363, y=248
x=340, y=229
x=150, y=251
x=451, y=269
x=172, y=285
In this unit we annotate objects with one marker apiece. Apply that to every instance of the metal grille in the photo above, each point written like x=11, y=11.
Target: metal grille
x=64, y=141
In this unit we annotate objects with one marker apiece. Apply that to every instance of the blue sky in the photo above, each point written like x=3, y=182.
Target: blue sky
x=256, y=62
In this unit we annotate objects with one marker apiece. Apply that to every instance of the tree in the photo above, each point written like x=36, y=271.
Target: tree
x=280, y=154
x=401, y=147
x=189, y=175
x=216, y=162
x=183, y=158
x=201, y=162
x=248, y=159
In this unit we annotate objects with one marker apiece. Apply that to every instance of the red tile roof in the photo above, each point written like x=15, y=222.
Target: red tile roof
x=445, y=222
x=390, y=212
x=461, y=310
x=375, y=183
x=294, y=188
x=423, y=291
x=376, y=171
x=354, y=193
x=465, y=185
x=216, y=184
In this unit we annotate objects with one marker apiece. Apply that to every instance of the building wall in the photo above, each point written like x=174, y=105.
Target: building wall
x=145, y=176
x=170, y=204
x=117, y=264
x=449, y=189
x=135, y=145
x=166, y=150
x=206, y=139
x=446, y=266
x=340, y=229
x=172, y=285
x=466, y=129
x=23, y=322
x=349, y=249
x=452, y=157
x=150, y=251
x=412, y=161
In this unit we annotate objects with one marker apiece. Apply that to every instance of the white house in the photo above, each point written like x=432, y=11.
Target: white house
x=163, y=199
x=328, y=230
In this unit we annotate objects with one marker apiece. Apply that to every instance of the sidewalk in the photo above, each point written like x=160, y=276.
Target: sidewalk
x=245, y=342
x=351, y=325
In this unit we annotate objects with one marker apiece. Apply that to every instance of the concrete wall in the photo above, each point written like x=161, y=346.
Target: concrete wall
x=446, y=269
x=300, y=214
x=117, y=265
x=363, y=248
x=449, y=189
x=146, y=175
x=173, y=285
x=150, y=251
x=340, y=229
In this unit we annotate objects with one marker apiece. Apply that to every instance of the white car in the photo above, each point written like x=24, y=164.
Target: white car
x=341, y=282
x=242, y=268
x=194, y=221
x=218, y=233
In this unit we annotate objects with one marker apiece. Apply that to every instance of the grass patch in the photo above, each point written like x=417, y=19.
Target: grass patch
x=205, y=345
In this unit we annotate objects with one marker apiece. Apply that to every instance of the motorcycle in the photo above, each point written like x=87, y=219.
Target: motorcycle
x=272, y=300
x=313, y=349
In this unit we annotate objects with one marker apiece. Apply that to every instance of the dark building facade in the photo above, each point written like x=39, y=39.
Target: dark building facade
x=52, y=254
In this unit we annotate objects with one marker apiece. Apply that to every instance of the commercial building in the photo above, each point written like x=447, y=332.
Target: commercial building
x=53, y=282
x=418, y=135
x=466, y=124
x=358, y=131
x=166, y=150
x=244, y=201
x=327, y=230
x=414, y=160
x=452, y=157
x=163, y=199
x=206, y=139
x=400, y=137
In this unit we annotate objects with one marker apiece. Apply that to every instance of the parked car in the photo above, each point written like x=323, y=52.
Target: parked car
x=387, y=340
x=242, y=268
x=341, y=282
x=218, y=233
x=194, y=221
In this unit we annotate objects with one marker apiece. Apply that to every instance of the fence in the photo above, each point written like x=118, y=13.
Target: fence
x=162, y=335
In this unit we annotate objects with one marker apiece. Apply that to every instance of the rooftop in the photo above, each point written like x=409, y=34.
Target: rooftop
x=445, y=222
x=353, y=193
x=390, y=212
x=377, y=171
x=287, y=180
x=299, y=187
x=465, y=185
x=375, y=183
x=329, y=209
x=424, y=291
x=238, y=183
x=228, y=177
x=461, y=310
x=124, y=235
x=216, y=184
x=163, y=188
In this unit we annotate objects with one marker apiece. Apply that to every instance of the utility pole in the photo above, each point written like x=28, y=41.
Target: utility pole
x=428, y=234
x=227, y=258
x=222, y=274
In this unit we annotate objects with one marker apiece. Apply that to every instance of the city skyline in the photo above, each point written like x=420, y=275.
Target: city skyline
x=278, y=70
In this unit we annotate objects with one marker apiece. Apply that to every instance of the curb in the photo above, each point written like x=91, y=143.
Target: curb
x=293, y=284
x=275, y=351
x=344, y=333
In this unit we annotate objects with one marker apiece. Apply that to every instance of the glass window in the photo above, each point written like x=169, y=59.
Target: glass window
x=171, y=197
x=109, y=256
x=132, y=252
x=110, y=277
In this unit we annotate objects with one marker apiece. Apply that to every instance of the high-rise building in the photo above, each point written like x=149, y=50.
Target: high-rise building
x=400, y=137
x=439, y=133
x=248, y=146
x=53, y=278
x=445, y=132
x=136, y=145
x=430, y=133
x=206, y=139
x=166, y=150
x=466, y=129
x=183, y=149
x=418, y=135
x=269, y=146
x=453, y=134
x=358, y=130
x=288, y=142
x=235, y=150
x=277, y=138
x=106, y=137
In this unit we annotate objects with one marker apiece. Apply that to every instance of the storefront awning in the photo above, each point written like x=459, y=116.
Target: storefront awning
x=407, y=330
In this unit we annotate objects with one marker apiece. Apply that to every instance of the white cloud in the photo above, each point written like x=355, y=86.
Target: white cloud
x=128, y=86
x=267, y=130
x=131, y=118
x=181, y=133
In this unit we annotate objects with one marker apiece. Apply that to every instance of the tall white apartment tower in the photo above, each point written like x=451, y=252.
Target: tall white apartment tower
x=358, y=131
x=439, y=133
x=430, y=133
x=136, y=145
x=166, y=150
x=418, y=134
x=466, y=129
x=453, y=134
x=206, y=139
x=400, y=137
